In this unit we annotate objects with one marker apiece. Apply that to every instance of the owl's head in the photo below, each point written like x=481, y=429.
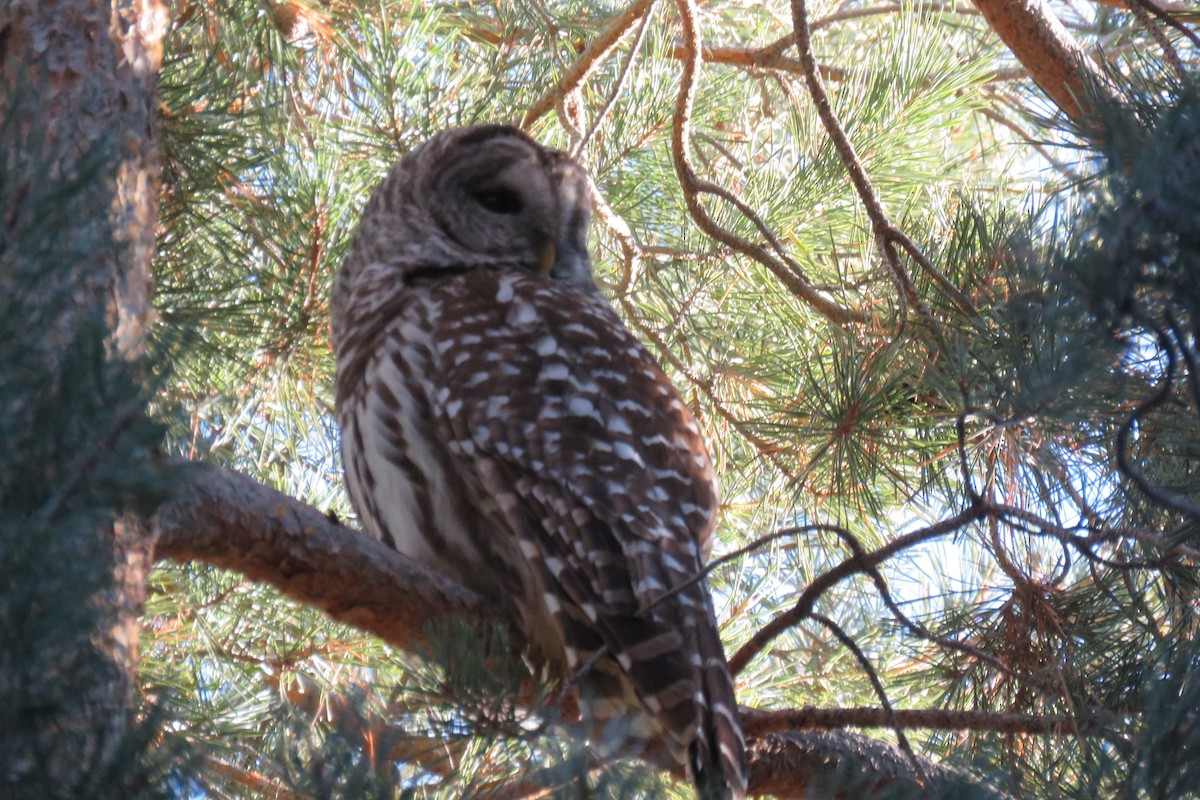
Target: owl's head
x=482, y=197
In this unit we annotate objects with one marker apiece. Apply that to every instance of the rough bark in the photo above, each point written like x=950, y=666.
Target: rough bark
x=78, y=109
x=1055, y=61
x=844, y=766
x=93, y=64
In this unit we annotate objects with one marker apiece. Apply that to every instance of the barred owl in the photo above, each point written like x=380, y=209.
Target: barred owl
x=502, y=426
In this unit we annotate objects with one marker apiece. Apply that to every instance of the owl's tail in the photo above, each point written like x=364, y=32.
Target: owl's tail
x=668, y=684
x=719, y=751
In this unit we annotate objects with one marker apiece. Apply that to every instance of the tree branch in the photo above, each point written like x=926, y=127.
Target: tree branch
x=887, y=236
x=1057, y=64
x=587, y=63
x=756, y=57
x=836, y=765
x=229, y=520
x=855, y=564
x=784, y=267
x=758, y=722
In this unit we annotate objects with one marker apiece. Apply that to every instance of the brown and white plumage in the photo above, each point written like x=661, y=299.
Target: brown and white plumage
x=501, y=425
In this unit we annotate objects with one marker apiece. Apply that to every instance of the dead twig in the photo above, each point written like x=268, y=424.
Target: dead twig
x=887, y=236
x=855, y=564
x=876, y=684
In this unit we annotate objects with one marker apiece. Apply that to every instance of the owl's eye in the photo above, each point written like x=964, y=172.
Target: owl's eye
x=499, y=200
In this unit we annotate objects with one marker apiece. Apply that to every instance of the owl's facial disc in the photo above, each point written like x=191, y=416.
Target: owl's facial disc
x=524, y=205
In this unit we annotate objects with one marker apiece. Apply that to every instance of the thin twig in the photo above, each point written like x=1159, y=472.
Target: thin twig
x=1029, y=522
x=1189, y=358
x=876, y=684
x=956, y=295
x=1064, y=169
x=619, y=84
x=960, y=427
x=1166, y=17
x=631, y=250
x=560, y=694
x=851, y=566
x=944, y=642
x=1163, y=498
x=754, y=546
x=885, y=233
x=846, y=14
x=1142, y=10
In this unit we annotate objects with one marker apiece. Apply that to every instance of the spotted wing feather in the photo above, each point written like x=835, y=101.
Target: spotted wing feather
x=598, y=468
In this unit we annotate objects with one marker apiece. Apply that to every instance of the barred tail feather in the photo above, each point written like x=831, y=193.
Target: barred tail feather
x=719, y=753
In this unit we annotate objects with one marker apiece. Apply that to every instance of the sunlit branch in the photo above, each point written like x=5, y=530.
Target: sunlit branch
x=228, y=520
x=756, y=57
x=809, y=763
x=1055, y=61
x=589, y=60
x=882, y=228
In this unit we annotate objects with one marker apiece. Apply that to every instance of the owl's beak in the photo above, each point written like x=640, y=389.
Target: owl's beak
x=565, y=261
x=572, y=264
x=547, y=257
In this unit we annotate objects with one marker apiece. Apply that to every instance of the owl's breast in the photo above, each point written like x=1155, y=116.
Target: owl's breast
x=406, y=479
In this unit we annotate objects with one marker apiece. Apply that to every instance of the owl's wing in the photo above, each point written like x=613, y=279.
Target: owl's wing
x=597, y=467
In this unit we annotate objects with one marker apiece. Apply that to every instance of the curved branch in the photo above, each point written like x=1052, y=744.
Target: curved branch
x=1167, y=18
x=855, y=564
x=886, y=235
x=784, y=268
x=1166, y=499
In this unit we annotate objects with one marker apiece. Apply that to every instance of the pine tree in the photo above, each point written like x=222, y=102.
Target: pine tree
x=927, y=272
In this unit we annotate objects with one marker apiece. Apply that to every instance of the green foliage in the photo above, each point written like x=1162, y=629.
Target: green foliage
x=1077, y=344
x=1160, y=763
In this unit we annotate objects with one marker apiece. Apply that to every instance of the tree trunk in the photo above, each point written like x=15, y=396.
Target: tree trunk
x=76, y=118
